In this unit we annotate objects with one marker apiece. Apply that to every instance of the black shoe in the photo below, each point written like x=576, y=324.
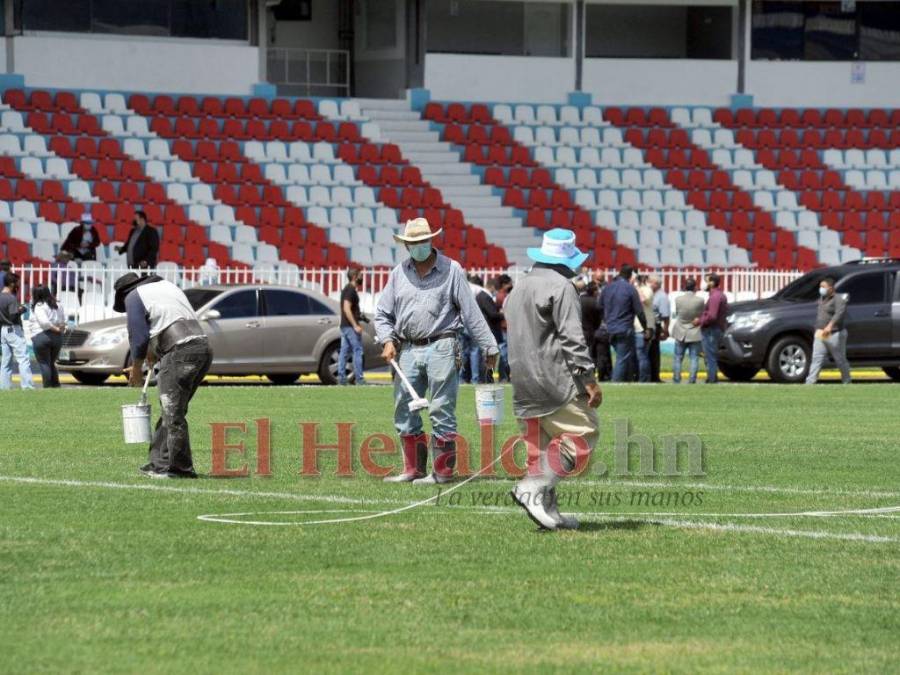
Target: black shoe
x=147, y=468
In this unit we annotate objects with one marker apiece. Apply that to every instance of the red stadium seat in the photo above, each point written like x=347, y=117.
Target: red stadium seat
x=259, y=107
x=164, y=105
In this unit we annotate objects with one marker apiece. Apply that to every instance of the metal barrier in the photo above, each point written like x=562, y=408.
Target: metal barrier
x=309, y=72
x=86, y=292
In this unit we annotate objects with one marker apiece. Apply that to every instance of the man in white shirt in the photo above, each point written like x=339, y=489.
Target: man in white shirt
x=161, y=318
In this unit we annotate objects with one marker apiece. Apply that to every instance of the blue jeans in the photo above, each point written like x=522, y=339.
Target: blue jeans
x=430, y=367
x=503, y=372
x=350, y=339
x=693, y=350
x=711, y=335
x=642, y=347
x=623, y=344
x=13, y=343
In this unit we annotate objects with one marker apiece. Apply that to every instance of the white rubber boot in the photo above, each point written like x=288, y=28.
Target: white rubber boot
x=563, y=521
x=533, y=493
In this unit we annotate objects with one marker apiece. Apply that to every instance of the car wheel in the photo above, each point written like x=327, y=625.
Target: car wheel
x=328, y=366
x=892, y=372
x=283, y=378
x=737, y=373
x=93, y=379
x=788, y=360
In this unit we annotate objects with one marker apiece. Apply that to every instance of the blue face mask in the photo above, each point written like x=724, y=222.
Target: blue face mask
x=823, y=291
x=420, y=252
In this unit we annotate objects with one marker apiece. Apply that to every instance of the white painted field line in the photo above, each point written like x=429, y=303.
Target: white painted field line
x=758, y=529
x=647, y=517
x=155, y=487
x=235, y=519
x=842, y=492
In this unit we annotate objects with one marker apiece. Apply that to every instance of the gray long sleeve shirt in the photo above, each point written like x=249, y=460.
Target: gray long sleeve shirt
x=416, y=308
x=831, y=309
x=549, y=361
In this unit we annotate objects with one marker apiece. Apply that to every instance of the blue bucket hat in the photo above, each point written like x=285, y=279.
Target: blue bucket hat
x=558, y=248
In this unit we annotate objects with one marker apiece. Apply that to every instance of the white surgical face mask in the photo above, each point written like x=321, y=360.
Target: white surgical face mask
x=823, y=291
x=420, y=252
x=704, y=286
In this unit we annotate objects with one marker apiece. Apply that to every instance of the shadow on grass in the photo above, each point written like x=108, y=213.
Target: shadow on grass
x=602, y=526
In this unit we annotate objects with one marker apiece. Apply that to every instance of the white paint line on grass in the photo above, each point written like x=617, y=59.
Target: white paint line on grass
x=155, y=487
x=660, y=518
x=841, y=492
x=757, y=529
x=650, y=519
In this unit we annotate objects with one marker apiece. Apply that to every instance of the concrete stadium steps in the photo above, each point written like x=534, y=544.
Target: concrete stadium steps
x=459, y=182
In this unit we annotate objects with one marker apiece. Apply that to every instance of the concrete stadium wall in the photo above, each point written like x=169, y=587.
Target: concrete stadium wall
x=468, y=77
x=660, y=81
x=798, y=83
x=135, y=63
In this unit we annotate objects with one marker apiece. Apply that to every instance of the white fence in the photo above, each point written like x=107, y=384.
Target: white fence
x=87, y=291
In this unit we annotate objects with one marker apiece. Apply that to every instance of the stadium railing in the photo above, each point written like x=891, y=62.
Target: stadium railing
x=87, y=291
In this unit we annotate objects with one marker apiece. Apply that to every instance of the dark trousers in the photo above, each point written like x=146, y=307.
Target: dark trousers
x=654, y=355
x=46, y=351
x=181, y=371
x=603, y=358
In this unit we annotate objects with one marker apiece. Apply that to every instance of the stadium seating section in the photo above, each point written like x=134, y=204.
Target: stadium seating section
x=256, y=182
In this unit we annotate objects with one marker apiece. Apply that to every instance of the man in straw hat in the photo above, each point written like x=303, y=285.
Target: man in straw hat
x=552, y=373
x=162, y=322
x=425, y=304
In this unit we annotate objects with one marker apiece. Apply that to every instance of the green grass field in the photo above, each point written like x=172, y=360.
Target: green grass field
x=104, y=570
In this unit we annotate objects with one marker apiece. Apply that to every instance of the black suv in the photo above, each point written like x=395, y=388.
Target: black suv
x=777, y=333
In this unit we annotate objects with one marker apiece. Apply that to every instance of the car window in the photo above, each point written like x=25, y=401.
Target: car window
x=239, y=305
x=200, y=296
x=316, y=307
x=285, y=303
x=864, y=288
x=805, y=288
x=292, y=303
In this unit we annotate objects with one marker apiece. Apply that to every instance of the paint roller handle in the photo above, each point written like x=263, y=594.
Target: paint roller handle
x=146, y=385
x=402, y=375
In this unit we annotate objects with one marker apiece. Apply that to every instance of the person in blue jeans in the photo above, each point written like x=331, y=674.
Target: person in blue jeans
x=620, y=305
x=351, y=329
x=12, y=336
x=712, y=325
x=425, y=304
x=686, y=334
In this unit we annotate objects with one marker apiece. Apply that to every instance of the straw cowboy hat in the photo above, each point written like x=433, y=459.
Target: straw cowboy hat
x=416, y=230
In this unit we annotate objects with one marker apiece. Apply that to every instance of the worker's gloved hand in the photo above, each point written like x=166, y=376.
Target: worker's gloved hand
x=490, y=361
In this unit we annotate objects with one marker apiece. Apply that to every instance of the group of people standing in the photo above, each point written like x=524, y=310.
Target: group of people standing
x=48, y=319
x=630, y=317
x=141, y=248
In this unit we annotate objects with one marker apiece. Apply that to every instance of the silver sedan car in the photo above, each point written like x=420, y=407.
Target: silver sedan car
x=276, y=331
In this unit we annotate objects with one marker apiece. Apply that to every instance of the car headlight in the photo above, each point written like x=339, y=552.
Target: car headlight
x=749, y=320
x=108, y=338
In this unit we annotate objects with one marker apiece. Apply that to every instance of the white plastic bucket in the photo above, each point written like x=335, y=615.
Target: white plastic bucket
x=489, y=403
x=136, y=423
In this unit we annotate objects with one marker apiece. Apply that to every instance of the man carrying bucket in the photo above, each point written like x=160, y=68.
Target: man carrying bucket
x=552, y=375
x=423, y=307
x=161, y=321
